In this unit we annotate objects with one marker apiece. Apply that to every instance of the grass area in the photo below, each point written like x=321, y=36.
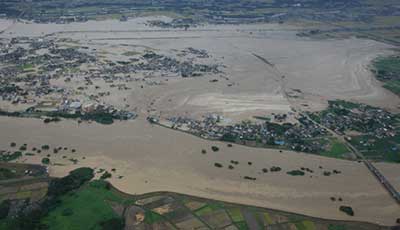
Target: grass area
x=387, y=69
x=208, y=208
x=267, y=218
x=336, y=227
x=6, y=173
x=386, y=149
x=305, y=225
x=336, y=149
x=262, y=118
x=131, y=53
x=152, y=217
x=26, y=67
x=23, y=194
x=387, y=65
x=84, y=209
x=235, y=214
x=242, y=225
x=204, y=210
x=393, y=85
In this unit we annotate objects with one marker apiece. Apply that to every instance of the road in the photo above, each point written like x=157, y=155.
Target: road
x=377, y=174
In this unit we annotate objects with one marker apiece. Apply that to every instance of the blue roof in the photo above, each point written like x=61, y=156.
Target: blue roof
x=279, y=142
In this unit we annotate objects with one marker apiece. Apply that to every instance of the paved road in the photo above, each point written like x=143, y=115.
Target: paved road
x=378, y=175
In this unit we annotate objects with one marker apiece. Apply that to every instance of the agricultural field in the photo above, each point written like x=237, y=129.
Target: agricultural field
x=174, y=211
x=387, y=70
x=98, y=205
x=386, y=149
x=9, y=171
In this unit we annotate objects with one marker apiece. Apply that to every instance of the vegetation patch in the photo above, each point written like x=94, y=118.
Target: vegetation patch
x=347, y=209
x=45, y=161
x=214, y=148
x=296, y=173
x=249, y=178
x=275, y=169
x=152, y=217
x=337, y=227
x=105, y=175
x=336, y=149
x=6, y=174
x=305, y=225
x=204, y=210
x=235, y=214
x=4, y=156
x=241, y=225
x=384, y=149
x=387, y=70
x=87, y=208
x=267, y=218
x=131, y=53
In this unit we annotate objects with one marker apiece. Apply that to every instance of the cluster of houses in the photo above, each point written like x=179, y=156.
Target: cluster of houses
x=31, y=66
x=364, y=119
x=198, y=53
x=162, y=63
x=29, y=94
x=76, y=106
x=76, y=109
x=35, y=88
x=299, y=136
x=177, y=23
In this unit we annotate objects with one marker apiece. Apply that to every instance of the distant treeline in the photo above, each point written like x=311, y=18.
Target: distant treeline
x=38, y=8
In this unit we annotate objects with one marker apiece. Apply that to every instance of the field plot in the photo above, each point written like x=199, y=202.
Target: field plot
x=213, y=215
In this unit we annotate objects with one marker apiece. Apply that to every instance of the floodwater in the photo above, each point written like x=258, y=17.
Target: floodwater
x=152, y=158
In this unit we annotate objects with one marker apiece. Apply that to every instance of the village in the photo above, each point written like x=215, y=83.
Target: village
x=371, y=130
x=346, y=116
x=303, y=135
x=59, y=78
